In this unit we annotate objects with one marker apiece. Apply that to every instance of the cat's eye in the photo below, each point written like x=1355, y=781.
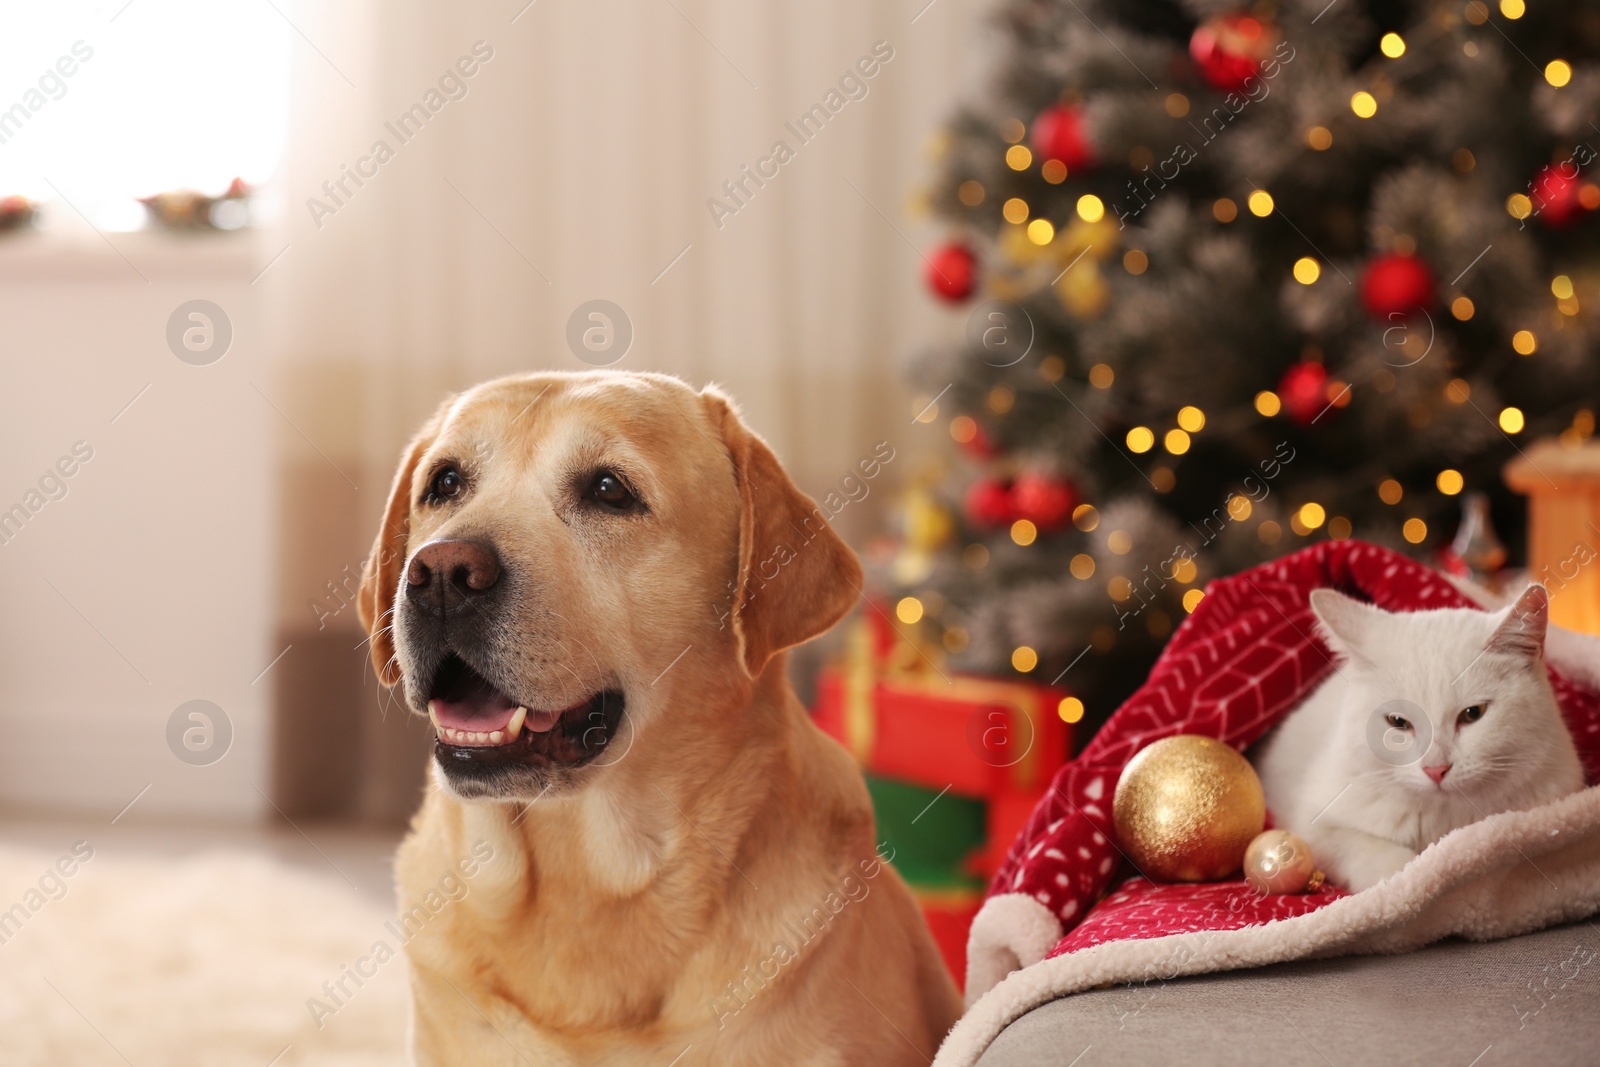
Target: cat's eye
x=1399, y=722
x=1472, y=714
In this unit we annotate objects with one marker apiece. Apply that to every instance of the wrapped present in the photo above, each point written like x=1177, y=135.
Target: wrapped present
x=904, y=717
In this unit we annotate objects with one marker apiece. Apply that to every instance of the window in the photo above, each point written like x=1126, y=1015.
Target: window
x=102, y=103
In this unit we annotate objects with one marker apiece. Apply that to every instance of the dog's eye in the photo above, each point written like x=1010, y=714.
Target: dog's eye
x=1472, y=714
x=610, y=490
x=1399, y=722
x=446, y=485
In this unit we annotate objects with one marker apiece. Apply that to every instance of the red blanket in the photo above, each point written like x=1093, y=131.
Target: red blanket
x=1243, y=660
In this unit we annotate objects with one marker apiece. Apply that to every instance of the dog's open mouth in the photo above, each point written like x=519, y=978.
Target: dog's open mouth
x=478, y=724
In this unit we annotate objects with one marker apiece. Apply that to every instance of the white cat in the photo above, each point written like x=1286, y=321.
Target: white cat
x=1433, y=720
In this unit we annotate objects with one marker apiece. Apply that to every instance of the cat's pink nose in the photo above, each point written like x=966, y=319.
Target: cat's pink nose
x=1437, y=771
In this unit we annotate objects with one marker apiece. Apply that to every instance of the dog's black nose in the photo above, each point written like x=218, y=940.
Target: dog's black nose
x=445, y=574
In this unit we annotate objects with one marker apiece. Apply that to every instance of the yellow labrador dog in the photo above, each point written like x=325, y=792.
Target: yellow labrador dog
x=637, y=848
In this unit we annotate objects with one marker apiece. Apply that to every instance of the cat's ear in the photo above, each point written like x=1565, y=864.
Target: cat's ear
x=1522, y=625
x=1345, y=623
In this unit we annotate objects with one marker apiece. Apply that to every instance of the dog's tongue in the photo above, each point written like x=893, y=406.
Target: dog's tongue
x=481, y=708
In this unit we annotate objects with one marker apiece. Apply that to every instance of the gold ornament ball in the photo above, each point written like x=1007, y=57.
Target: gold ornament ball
x=1279, y=862
x=1186, y=808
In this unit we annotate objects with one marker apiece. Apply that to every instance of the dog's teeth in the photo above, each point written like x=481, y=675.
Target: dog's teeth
x=433, y=717
x=495, y=737
x=514, y=727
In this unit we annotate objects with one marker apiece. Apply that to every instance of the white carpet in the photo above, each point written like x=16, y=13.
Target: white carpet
x=208, y=960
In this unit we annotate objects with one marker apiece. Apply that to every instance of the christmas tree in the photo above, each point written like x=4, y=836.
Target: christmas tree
x=1236, y=279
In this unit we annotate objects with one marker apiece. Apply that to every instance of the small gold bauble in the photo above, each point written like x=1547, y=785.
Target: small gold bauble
x=1186, y=807
x=1279, y=862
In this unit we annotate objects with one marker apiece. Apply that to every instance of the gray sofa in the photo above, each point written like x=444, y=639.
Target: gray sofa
x=1525, y=1000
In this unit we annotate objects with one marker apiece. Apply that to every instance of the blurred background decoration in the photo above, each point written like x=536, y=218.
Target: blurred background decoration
x=1280, y=272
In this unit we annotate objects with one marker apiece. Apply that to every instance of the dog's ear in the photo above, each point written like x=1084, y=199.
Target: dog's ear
x=380, y=575
x=796, y=576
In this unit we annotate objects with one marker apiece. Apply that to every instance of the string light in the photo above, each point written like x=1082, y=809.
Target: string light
x=1415, y=531
x=1052, y=368
x=975, y=557
x=1307, y=270
x=1018, y=157
x=1141, y=439
x=1024, y=532
x=1364, y=104
x=971, y=193
x=1191, y=418
x=1070, y=709
x=1390, y=491
x=1177, y=105
x=1015, y=210
x=1524, y=342
x=1260, y=203
x=1269, y=532
x=1162, y=479
x=1000, y=399
x=1024, y=659
x=1185, y=571
x=1135, y=262
x=1224, y=210
x=963, y=428
x=1053, y=171
x=1267, y=403
x=924, y=410
x=1450, y=482
x=1392, y=45
x=1119, y=542
x=1458, y=391
x=1192, y=598
x=1101, y=376
x=1513, y=9
x=1512, y=420
x=1239, y=507
x=1561, y=287
x=1013, y=131
x=1319, y=138
x=1041, y=232
x=1311, y=515
x=1091, y=208
x=1085, y=517
x=1558, y=72
x=909, y=610
x=1462, y=308
x=1339, y=528
x=1177, y=442
x=1119, y=589
x=955, y=639
x=1082, y=566
x=1518, y=206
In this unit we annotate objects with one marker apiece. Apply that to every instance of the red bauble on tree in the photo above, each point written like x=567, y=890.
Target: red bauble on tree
x=952, y=272
x=1556, y=195
x=1044, y=501
x=989, y=503
x=1058, y=133
x=1303, y=391
x=1229, y=49
x=1396, y=285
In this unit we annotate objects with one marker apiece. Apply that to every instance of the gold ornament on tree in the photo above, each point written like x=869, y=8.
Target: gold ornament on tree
x=1278, y=862
x=1186, y=808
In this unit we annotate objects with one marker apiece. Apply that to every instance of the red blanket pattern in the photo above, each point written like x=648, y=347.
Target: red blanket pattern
x=1246, y=656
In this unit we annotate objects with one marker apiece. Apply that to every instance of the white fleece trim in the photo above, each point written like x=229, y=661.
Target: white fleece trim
x=1011, y=931
x=1506, y=875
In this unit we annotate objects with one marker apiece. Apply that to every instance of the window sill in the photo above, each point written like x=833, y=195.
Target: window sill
x=138, y=256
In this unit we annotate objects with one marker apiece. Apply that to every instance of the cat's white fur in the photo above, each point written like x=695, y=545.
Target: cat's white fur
x=1339, y=775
